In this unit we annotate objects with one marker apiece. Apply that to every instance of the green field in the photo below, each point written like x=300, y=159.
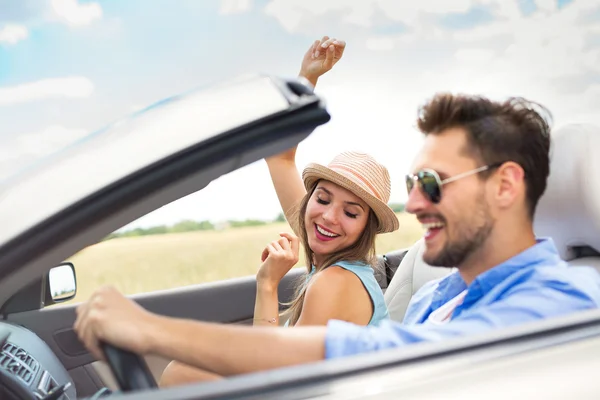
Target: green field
x=148, y=263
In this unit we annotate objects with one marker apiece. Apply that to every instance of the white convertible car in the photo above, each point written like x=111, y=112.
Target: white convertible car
x=77, y=196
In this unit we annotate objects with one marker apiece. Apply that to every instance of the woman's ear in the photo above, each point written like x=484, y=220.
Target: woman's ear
x=510, y=179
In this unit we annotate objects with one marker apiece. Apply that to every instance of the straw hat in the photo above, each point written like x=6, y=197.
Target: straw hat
x=363, y=176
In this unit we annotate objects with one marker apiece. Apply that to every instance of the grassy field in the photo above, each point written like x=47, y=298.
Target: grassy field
x=148, y=263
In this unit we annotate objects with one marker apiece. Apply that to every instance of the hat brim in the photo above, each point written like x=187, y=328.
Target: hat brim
x=386, y=217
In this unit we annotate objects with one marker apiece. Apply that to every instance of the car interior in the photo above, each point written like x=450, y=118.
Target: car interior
x=43, y=353
x=569, y=211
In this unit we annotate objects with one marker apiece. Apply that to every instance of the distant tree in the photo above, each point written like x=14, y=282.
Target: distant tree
x=156, y=230
x=397, y=207
x=134, y=232
x=248, y=222
x=190, y=225
x=280, y=218
x=184, y=226
x=205, y=226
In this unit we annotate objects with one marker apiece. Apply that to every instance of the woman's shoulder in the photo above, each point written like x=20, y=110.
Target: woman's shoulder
x=333, y=293
x=334, y=278
x=360, y=272
x=335, y=287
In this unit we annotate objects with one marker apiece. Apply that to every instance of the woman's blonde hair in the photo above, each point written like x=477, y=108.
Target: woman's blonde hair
x=362, y=250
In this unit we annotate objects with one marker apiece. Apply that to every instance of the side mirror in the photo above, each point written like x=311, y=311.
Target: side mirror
x=62, y=284
x=56, y=286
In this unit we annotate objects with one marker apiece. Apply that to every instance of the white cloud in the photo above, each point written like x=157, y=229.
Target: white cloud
x=547, y=45
x=505, y=9
x=547, y=5
x=76, y=14
x=546, y=25
x=591, y=97
x=70, y=87
x=13, y=33
x=289, y=13
x=482, y=33
x=580, y=107
x=408, y=12
x=234, y=6
x=380, y=43
x=359, y=14
x=477, y=56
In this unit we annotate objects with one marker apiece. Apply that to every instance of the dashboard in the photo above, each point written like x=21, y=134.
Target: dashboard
x=29, y=369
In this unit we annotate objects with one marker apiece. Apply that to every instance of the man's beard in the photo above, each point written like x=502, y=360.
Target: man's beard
x=469, y=238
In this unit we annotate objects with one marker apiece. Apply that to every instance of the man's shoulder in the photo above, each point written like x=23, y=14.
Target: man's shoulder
x=565, y=273
x=574, y=280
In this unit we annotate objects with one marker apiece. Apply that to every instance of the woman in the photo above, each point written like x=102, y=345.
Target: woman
x=336, y=210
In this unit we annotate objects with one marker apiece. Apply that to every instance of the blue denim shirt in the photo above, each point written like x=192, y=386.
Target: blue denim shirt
x=533, y=285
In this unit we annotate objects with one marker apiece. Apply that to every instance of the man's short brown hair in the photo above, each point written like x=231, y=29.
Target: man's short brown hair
x=497, y=132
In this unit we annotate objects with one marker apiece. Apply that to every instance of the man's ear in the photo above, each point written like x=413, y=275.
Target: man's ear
x=510, y=177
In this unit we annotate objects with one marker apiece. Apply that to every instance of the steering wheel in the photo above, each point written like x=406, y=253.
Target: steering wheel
x=130, y=369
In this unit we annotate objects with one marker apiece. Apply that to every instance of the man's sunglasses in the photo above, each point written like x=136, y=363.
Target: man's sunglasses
x=431, y=185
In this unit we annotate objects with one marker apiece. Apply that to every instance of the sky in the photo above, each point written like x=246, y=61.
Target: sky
x=69, y=67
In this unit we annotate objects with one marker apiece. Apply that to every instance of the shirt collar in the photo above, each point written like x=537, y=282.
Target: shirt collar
x=543, y=251
x=448, y=288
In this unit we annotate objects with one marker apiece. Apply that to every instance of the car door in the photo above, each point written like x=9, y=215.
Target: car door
x=86, y=219
x=230, y=301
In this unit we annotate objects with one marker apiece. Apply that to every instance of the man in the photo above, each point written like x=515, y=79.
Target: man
x=475, y=186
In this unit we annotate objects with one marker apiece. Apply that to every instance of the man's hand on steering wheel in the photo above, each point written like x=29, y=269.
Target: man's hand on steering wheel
x=110, y=317
x=116, y=329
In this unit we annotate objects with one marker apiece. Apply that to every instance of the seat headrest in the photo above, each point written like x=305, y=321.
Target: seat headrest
x=569, y=210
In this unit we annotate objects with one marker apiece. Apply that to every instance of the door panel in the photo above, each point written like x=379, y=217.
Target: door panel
x=230, y=301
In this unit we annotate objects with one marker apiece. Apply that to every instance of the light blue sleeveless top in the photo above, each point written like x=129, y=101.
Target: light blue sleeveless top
x=367, y=276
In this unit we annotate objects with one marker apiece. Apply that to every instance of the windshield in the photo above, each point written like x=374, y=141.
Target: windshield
x=131, y=144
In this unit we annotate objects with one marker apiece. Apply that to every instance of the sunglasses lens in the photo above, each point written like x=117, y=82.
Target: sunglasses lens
x=410, y=183
x=430, y=186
